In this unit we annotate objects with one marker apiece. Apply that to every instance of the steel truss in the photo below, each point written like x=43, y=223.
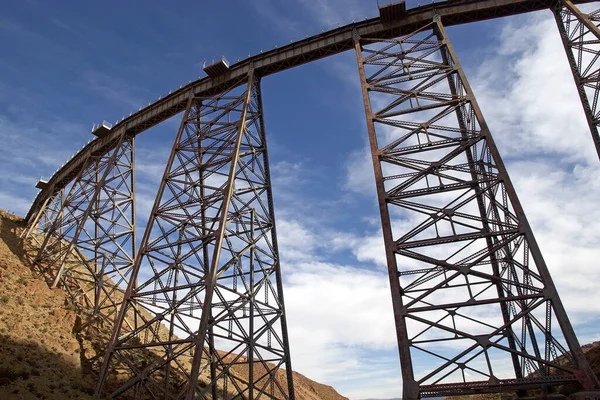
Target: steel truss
x=474, y=304
x=210, y=297
x=581, y=38
x=44, y=219
x=85, y=240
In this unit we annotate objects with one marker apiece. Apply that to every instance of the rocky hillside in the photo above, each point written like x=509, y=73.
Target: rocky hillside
x=44, y=352
x=592, y=353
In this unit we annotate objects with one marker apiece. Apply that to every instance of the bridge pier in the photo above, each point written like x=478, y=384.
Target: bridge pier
x=89, y=233
x=210, y=293
x=581, y=39
x=475, y=308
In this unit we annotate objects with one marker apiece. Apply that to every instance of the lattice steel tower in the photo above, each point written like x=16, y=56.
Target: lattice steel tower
x=210, y=293
x=475, y=308
x=202, y=315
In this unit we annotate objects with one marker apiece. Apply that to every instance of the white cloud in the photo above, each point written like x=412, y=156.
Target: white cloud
x=529, y=99
x=536, y=117
x=339, y=315
x=336, y=315
x=359, y=173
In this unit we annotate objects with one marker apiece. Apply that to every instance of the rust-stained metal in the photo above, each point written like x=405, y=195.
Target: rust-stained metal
x=43, y=221
x=279, y=59
x=580, y=36
x=470, y=289
x=390, y=13
x=211, y=299
x=86, y=237
x=471, y=292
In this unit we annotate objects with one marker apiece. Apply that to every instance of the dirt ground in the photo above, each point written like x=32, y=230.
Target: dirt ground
x=45, y=353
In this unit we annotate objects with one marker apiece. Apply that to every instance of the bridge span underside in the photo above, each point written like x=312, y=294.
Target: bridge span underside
x=197, y=308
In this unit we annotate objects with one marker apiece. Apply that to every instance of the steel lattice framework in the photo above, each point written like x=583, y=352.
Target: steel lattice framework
x=581, y=38
x=88, y=240
x=197, y=309
x=471, y=291
x=210, y=267
x=44, y=220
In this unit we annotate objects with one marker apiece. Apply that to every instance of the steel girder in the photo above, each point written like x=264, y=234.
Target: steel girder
x=85, y=240
x=210, y=297
x=474, y=304
x=44, y=219
x=294, y=54
x=106, y=240
x=36, y=233
x=580, y=36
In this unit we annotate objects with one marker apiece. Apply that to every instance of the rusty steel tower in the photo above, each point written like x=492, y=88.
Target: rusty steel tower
x=217, y=328
x=197, y=308
x=470, y=288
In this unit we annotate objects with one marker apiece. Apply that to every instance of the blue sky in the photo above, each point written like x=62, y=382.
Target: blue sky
x=70, y=64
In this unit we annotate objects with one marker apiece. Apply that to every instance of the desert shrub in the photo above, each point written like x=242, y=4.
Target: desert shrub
x=13, y=373
x=31, y=387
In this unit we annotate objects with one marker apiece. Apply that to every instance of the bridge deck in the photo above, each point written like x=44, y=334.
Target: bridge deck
x=332, y=42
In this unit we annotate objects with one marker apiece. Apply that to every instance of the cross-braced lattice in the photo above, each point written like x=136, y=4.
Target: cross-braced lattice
x=56, y=252
x=475, y=307
x=106, y=240
x=88, y=234
x=209, y=296
x=581, y=38
x=43, y=221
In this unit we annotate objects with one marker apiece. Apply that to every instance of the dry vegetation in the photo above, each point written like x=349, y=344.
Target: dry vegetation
x=47, y=349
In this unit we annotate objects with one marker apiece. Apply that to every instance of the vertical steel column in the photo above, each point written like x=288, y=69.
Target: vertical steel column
x=205, y=254
x=581, y=39
x=447, y=57
x=468, y=302
x=210, y=301
x=96, y=188
x=55, y=248
x=410, y=387
x=106, y=239
x=35, y=235
x=274, y=244
x=95, y=228
x=34, y=224
x=582, y=372
x=211, y=278
x=128, y=306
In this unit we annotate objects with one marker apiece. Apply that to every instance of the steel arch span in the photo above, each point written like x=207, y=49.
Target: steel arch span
x=197, y=309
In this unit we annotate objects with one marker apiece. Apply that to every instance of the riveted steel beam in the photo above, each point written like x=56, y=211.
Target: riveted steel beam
x=474, y=304
x=209, y=294
x=580, y=36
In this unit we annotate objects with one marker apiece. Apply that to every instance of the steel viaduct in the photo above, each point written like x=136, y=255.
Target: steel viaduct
x=210, y=316
x=310, y=49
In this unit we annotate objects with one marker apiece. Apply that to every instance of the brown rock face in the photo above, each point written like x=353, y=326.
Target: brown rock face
x=47, y=350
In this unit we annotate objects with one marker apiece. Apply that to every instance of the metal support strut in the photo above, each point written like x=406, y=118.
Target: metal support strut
x=580, y=36
x=210, y=293
x=85, y=240
x=475, y=307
